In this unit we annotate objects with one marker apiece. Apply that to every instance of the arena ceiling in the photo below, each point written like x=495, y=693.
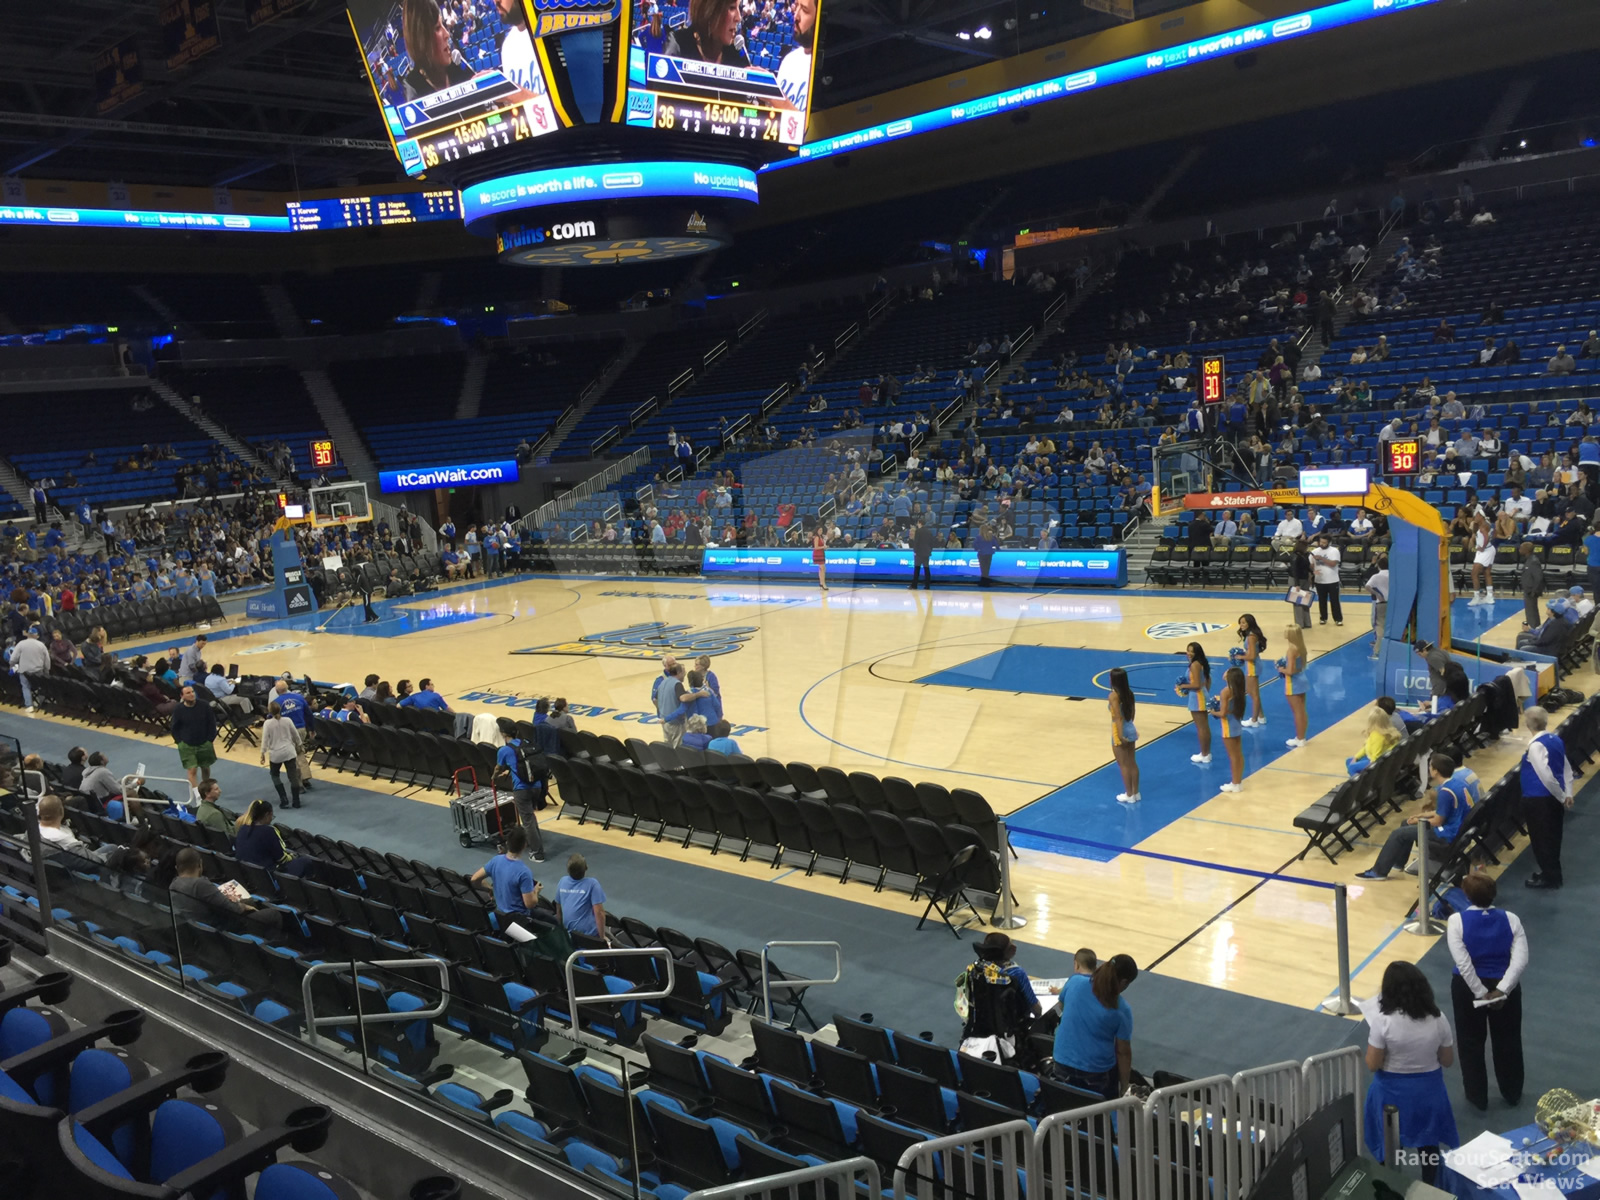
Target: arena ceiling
x=286, y=104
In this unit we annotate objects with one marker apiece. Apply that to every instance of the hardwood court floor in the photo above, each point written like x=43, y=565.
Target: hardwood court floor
x=1002, y=692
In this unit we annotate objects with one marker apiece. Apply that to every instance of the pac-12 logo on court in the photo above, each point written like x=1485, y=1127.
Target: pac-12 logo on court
x=651, y=640
x=1165, y=630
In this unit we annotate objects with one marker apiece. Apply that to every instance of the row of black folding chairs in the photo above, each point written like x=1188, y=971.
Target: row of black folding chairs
x=1574, y=650
x=428, y=720
x=890, y=793
x=100, y=703
x=879, y=840
x=1358, y=804
x=409, y=756
x=137, y=617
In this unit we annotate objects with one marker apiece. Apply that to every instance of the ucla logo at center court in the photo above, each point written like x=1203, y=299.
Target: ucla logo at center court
x=651, y=640
x=1163, y=631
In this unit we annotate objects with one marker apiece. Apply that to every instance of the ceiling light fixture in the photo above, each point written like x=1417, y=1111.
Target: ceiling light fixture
x=983, y=33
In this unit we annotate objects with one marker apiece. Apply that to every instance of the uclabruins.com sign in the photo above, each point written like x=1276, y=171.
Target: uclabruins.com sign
x=651, y=640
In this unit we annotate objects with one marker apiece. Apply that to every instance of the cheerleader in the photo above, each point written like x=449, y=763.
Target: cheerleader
x=819, y=556
x=1482, y=561
x=1255, y=645
x=1229, y=707
x=1292, y=666
x=1195, y=685
x=1124, y=736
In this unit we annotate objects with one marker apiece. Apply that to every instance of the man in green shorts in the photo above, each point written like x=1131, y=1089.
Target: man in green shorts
x=194, y=728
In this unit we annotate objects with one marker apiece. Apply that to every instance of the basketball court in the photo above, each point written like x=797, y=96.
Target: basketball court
x=999, y=691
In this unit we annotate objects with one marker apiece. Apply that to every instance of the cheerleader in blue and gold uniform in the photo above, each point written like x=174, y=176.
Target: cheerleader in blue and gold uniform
x=1296, y=686
x=1255, y=645
x=1194, y=684
x=1229, y=707
x=1124, y=735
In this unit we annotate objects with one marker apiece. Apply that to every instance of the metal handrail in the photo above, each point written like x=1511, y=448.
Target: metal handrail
x=188, y=800
x=775, y=397
x=1053, y=307
x=842, y=338
x=843, y=1173
x=610, y=436
x=388, y=964
x=681, y=382
x=575, y=1001
x=768, y=983
x=715, y=353
x=749, y=326
x=644, y=410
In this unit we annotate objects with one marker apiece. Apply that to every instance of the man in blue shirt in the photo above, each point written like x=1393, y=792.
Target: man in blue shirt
x=1455, y=792
x=582, y=900
x=515, y=889
x=425, y=697
x=513, y=758
x=721, y=742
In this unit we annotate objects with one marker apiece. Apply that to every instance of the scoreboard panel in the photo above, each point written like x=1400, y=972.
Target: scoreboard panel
x=1403, y=456
x=351, y=212
x=1213, y=378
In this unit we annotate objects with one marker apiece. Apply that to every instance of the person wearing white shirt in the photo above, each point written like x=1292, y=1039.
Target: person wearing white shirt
x=1289, y=530
x=1361, y=527
x=794, y=72
x=1227, y=528
x=1409, y=1044
x=1325, y=574
x=1518, y=505
x=1390, y=431
x=1378, y=589
x=1490, y=950
x=1579, y=602
x=516, y=50
x=1482, y=561
x=29, y=661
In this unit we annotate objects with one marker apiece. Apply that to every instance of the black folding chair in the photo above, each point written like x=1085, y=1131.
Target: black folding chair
x=947, y=895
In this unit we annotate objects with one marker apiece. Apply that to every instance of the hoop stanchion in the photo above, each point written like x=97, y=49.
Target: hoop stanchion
x=1004, y=916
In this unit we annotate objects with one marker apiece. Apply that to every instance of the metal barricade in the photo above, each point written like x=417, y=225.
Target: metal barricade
x=981, y=1164
x=1094, y=1153
x=802, y=1184
x=1326, y=1077
x=768, y=982
x=1189, y=1139
x=363, y=1019
x=1267, y=1108
x=575, y=1001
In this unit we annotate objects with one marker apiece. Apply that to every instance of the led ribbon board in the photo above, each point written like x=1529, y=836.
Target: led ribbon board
x=609, y=181
x=132, y=218
x=1158, y=62
x=1106, y=567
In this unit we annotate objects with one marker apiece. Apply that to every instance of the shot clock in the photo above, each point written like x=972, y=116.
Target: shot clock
x=1213, y=378
x=1403, y=456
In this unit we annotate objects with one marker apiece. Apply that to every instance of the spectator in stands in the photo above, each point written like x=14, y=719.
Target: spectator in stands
x=194, y=729
x=1444, y=332
x=369, y=688
x=99, y=782
x=582, y=900
x=30, y=660
x=93, y=649
x=196, y=898
x=1454, y=793
x=72, y=776
x=425, y=697
x=256, y=840
x=56, y=839
x=1490, y=950
x=516, y=891
x=1290, y=531
x=1547, y=794
x=1561, y=363
x=1408, y=1045
x=62, y=652
x=1093, y=1047
x=722, y=739
x=560, y=717
x=210, y=812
